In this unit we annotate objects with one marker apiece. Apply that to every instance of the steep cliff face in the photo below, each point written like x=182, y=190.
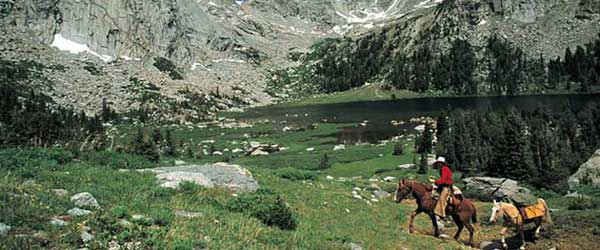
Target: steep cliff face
x=230, y=47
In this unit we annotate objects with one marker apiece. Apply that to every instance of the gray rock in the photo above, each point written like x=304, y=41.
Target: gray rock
x=223, y=175
x=4, y=229
x=576, y=195
x=186, y=214
x=372, y=187
x=124, y=223
x=588, y=173
x=85, y=200
x=86, y=237
x=77, y=212
x=354, y=246
x=140, y=219
x=58, y=222
x=491, y=245
x=494, y=188
x=380, y=194
x=407, y=166
x=60, y=192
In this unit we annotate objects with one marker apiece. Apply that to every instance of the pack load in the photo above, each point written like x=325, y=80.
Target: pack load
x=521, y=199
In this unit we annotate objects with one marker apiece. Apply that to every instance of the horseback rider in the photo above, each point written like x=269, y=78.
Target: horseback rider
x=443, y=185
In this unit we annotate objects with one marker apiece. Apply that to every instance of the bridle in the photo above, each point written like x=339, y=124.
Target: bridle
x=410, y=186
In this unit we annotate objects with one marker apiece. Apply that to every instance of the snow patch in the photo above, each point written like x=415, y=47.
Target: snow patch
x=240, y=2
x=482, y=22
x=372, y=14
x=72, y=47
x=428, y=4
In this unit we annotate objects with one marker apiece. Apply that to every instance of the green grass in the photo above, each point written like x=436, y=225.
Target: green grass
x=327, y=215
x=365, y=93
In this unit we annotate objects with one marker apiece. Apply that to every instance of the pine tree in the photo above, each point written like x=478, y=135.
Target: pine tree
x=170, y=145
x=324, y=164
x=515, y=159
x=157, y=137
x=423, y=166
x=398, y=150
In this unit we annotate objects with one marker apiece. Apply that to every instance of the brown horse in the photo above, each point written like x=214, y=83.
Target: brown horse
x=462, y=213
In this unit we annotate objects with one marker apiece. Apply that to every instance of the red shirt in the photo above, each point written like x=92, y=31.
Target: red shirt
x=446, y=178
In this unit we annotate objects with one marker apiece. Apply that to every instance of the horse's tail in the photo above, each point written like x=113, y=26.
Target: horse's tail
x=547, y=216
x=474, y=215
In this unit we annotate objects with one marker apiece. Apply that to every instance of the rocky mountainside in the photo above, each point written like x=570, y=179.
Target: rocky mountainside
x=138, y=53
x=537, y=28
x=219, y=54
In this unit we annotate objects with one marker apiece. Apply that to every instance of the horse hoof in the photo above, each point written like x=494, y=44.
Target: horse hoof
x=505, y=246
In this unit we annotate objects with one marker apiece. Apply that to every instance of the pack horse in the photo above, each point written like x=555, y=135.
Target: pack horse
x=519, y=217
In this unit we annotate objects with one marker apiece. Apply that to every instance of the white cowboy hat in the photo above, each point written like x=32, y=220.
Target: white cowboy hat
x=440, y=159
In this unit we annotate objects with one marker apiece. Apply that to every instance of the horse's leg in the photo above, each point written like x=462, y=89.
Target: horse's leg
x=411, y=226
x=471, y=232
x=522, y=233
x=460, y=226
x=436, y=230
x=538, y=226
x=503, y=233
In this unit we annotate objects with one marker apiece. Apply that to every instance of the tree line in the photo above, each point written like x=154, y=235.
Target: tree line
x=539, y=147
x=30, y=118
x=502, y=69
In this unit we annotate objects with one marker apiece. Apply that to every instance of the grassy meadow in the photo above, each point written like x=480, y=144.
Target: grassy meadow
x=327, y=214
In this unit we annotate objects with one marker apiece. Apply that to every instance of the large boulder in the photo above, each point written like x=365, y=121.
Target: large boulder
x=4, y=229
x=489, y=188
x=85, y=200
x=588, y=173
x=222, y=175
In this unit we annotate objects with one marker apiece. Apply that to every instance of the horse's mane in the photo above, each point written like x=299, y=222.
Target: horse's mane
x=428, y=188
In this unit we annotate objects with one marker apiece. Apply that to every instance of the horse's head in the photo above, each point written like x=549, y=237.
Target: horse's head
x=405, y=188
x=497, y=212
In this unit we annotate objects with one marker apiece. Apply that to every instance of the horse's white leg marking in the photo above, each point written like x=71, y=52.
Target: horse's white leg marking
x=503, y=232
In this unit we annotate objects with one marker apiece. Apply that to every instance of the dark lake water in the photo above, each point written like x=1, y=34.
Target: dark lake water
x=379, y=114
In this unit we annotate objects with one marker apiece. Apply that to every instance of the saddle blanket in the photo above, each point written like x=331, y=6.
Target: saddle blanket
x=534, y=211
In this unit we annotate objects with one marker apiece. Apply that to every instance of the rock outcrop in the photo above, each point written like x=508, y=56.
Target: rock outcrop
x=223, y=175
x=85, y=200
x=588, y=173
x=489, y=188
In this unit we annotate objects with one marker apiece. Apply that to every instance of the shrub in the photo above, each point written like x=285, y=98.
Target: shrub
x=168, y=67
x=189, y=187
x=267, y=207
x=119, y=212
x=398, y=150
x=161, y=217
x=296, y=174
x=324, y=164
x=116, y=160
x=583, y=203
x=596, y=230
x=188, y=244
x=33, y=160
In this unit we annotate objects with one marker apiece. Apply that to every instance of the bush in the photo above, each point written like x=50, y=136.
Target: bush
x=267, y=207
x=188, y=244
x=398, y=150
x=161, y=217
x=583, y=203
x=324, y=164
x=120, y=212
x=32, y=160
x=296, y=174
x=596, y=230
x=116, y=160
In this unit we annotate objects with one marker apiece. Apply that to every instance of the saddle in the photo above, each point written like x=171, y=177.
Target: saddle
x=533, y=211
